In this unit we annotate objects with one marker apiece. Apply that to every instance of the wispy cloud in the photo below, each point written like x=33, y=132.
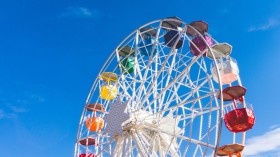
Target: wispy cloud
x=79, y=12
x=224, y=11
x=37, y=98
x=13, y=108
x=4, y=115
x=17, y=109
x=272, y=22
x=268, y=143
x=274, y=126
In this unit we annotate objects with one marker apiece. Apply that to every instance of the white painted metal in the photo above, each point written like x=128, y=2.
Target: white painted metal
x=171, y=101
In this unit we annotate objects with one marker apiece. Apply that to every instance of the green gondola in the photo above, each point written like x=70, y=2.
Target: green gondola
x=127, y=61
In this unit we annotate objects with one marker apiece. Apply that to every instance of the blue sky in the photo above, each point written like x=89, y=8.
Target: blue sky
x=51, y=52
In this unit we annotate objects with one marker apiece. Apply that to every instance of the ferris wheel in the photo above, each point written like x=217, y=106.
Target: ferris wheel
x=165, y=91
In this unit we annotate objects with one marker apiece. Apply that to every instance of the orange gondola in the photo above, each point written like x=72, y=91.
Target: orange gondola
x=230, y=150
x=94, y=124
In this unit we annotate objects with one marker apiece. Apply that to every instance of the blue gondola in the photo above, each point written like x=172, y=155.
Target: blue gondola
x=148, y=47
x=171, y=25
x=171, y=38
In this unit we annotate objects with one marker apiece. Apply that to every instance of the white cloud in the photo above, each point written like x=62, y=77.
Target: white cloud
x=12, y=114
x=265, y=145
x=272, y=22
x=17, y=109
x=224, y=11
x=80, y=12
x=274, y=126
x=4, y=115
x=37, y=98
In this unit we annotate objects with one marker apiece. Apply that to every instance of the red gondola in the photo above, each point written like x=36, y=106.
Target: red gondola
x=86, y=155
x=239, y=119
x=200, y=26
x=89, y=141
x=96, y=107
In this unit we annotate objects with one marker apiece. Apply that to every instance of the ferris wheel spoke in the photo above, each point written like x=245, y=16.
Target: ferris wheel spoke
x=127, y=145
x=193, y=110
x=188, y=139
x=168, y=76
x=167, y=73
x=187, y=97
x=197, y=142
x=131, y=86
x=125, y=89
x=142, y=88
x=155, y=84
x=202, y=111
x=153, y=143
x=172, y=83
x=157, y=75
x=144, y=140
x=198, y=95
x=118, y=150
x=171, y=148
x=140, y=148
x=105, y=147
x=144, y=78
x=170, y=98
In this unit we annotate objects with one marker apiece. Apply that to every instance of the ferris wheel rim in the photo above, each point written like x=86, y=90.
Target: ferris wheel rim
x=113, y=54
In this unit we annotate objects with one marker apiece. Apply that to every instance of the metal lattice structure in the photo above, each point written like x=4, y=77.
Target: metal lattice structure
x=160, y=81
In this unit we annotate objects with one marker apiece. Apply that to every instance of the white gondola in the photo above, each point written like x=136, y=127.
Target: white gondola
x=228, y=70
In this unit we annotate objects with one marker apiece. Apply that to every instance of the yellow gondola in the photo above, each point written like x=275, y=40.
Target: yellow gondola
x=109, y=76
x=109, y=90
